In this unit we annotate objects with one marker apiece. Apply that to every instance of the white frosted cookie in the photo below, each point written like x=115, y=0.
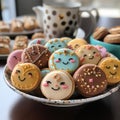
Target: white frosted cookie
x=57, y=85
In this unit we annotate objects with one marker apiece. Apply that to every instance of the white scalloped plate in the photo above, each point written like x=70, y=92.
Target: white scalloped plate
x=61, y=103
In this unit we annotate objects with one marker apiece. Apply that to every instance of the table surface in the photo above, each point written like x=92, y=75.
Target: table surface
x=15, y=107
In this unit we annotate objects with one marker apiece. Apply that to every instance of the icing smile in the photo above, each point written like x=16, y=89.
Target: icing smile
x=21, y=79
x=113, y=73
x=91, y=57
x=56, y=88
x=65, y=63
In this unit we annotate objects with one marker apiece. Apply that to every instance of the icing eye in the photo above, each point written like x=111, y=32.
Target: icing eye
x=15, y=57
x=48, y=82
x=59, y=59
x=30, y=74
x=59, y=46
x=84, y=55
x=116, y=66
x=71, y=60
x=94, y=52
x=17, y=71
x=52, y=46
x=62, y=83
x=108, y=67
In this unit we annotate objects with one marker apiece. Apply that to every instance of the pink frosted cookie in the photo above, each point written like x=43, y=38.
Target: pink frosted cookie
x=102, y=50
x=14, y=58
x=88, y=54
x=57, y=85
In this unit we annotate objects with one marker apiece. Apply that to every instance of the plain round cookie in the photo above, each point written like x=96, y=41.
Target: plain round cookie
x=36, y=54
x=90, y=80
x=111, y=67
x=64, y=59
x=88, y=54
x=57, y=85
x=26, y=77
x=115, y=30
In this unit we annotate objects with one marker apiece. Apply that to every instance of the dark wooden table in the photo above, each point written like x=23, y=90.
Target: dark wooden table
x=15, y=107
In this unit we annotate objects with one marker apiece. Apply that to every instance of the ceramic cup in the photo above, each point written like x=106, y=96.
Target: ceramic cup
x=60, y=19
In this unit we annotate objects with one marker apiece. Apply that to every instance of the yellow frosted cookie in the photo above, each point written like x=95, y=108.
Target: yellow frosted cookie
x=111, y=67
x=76, y=43
x=25, y=76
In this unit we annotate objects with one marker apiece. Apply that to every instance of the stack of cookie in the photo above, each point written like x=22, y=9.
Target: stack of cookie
x=4, y=45
x=111, y=35
x=63, y=66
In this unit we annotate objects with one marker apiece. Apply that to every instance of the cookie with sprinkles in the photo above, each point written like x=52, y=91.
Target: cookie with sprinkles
x=88, y=54
x=90, y=80
x=64, y=59
x=36, y=54
x=55, y=44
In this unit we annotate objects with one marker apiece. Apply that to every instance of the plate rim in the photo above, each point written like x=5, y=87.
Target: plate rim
x=60, y=103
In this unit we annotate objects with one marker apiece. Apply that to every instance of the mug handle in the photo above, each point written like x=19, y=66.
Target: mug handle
x=89, y=24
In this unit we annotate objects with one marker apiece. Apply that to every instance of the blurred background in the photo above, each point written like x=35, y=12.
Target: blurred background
x=13, y=8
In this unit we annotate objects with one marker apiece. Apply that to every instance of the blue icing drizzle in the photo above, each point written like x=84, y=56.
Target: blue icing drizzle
x=37, y=41
x=55, y=44
x=68, y=62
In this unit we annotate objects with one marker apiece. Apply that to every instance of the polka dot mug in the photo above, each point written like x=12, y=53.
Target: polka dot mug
x=60, y=19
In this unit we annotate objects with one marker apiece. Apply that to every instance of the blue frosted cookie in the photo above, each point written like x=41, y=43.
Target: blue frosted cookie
x=37, y=41
x=44, y=72
x=55, y=44
x=64, y=59
x=66, y=39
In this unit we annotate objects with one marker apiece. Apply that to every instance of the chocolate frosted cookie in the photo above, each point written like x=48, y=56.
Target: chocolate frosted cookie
x=90, y=80
x=36, y=54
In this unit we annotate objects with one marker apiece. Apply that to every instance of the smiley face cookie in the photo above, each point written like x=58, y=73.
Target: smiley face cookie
x=36, y=54
x=111, y=67
x=26, y=76
x=57, y=85
x=64, y=59
x=14, y=58
x=76, y=43
x=88, y=54
x=55, y=44
x=90, y=80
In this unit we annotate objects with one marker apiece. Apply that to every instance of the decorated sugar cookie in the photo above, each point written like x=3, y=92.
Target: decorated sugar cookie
x=14, y=58
x=90, y=80
x=26, y=76
x=88, y=54
x=36, y=54
x=111, y=67
x=37, y=41
x=76, y=43
x=55, y=44
x=65, y=39
x=64, y=59
x=57, y=85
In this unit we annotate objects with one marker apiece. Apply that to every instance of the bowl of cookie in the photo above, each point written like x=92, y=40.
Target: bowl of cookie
x=108, y=38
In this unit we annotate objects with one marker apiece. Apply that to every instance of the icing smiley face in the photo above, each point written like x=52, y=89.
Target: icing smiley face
x=76, y=43
x=36, y=54
x=111, y=67
x=25, y=76
x=55, y=44
x=88, y=54
x=57, y=85
x=90, y=80
x=14, y=58
x=64, y=59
